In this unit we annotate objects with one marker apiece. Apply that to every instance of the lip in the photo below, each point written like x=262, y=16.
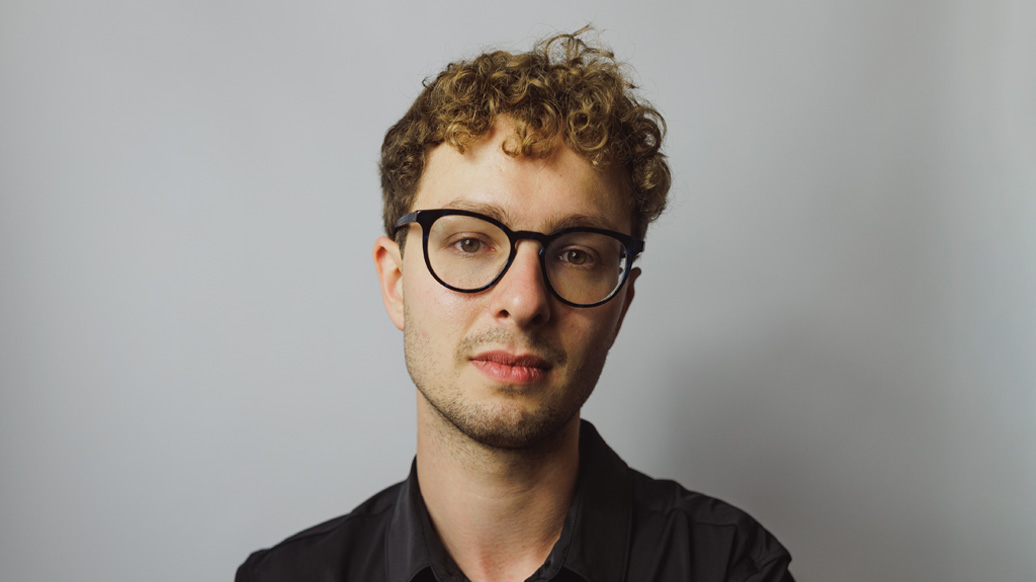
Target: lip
x=509, y=368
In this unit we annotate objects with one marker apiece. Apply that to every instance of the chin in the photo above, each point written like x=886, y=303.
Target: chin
x=509, y=426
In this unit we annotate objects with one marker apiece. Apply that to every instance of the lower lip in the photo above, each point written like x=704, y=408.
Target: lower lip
x=510, y=374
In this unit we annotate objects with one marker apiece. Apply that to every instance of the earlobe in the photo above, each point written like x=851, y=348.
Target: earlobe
x=389, y=263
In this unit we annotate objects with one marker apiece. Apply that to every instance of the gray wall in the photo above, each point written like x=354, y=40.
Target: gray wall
x=835, y=328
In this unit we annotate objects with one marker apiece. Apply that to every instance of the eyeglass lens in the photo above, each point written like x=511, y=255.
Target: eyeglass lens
x=468, y=253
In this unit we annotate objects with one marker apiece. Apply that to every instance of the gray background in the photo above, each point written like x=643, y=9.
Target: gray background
x=835, y=328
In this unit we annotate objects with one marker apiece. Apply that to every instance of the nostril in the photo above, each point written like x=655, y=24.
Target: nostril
x=537, y=318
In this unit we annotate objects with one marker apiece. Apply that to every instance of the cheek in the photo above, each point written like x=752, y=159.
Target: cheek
x=588, y=330
x=433, y=311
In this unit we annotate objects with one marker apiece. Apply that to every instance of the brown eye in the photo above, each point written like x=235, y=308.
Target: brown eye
x=575, y=257
x=469, y=245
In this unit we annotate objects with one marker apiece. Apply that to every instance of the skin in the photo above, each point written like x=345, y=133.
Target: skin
x=502, y=374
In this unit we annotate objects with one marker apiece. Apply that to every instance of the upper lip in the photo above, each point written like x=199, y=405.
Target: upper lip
x=509, y=359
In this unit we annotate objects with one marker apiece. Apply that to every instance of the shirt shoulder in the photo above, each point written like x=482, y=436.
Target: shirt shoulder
x=693, y=532
x=348, y=547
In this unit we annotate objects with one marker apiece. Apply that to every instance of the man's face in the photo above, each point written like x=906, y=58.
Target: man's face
x=512, y=365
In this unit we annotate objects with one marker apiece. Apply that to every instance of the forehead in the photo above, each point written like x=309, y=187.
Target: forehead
x=526, y=193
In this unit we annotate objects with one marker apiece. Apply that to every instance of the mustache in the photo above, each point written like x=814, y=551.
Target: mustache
x=539, y=346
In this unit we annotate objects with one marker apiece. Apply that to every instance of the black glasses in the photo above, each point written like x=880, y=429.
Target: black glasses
x=469, y=252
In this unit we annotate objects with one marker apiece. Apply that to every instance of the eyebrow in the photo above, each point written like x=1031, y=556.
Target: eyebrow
x=569, y=221
x=489, y=210
x=574, y=220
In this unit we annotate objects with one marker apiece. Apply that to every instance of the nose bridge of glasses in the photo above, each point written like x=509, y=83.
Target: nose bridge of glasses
x=522, y=235
x=518, y=236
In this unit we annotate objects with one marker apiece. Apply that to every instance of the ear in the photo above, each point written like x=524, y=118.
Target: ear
x=627, y=298
x=389, y=263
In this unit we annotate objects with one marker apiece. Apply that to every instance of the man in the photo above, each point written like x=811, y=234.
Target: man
x=518, y=189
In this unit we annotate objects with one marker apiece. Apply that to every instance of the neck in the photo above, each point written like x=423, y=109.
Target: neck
x=497, y=511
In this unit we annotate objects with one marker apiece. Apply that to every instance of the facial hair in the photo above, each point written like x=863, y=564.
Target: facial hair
x=500, y=426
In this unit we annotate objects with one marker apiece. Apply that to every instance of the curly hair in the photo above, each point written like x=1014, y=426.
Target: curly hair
x=563, y=89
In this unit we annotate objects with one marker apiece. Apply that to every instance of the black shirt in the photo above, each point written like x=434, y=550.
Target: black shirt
x=622, y=526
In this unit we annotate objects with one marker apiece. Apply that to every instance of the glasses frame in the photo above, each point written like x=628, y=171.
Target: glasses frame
x=426, y=218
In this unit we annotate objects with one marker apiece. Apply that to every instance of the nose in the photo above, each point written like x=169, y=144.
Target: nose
x=521, y=295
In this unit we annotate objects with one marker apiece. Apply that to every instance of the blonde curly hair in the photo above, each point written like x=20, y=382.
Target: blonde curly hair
x=562, y=89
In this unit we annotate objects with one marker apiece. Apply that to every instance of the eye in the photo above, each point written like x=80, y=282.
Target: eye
x=576, y=257
x=469, y=245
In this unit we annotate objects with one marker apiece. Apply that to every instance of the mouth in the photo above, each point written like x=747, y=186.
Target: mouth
x=512, y=368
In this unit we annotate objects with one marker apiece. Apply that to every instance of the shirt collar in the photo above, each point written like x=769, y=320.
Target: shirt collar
x=406, y=551
x=594, y=539
x=603, y=511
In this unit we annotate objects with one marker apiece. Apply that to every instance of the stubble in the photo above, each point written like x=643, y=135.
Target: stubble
x=504, y=423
